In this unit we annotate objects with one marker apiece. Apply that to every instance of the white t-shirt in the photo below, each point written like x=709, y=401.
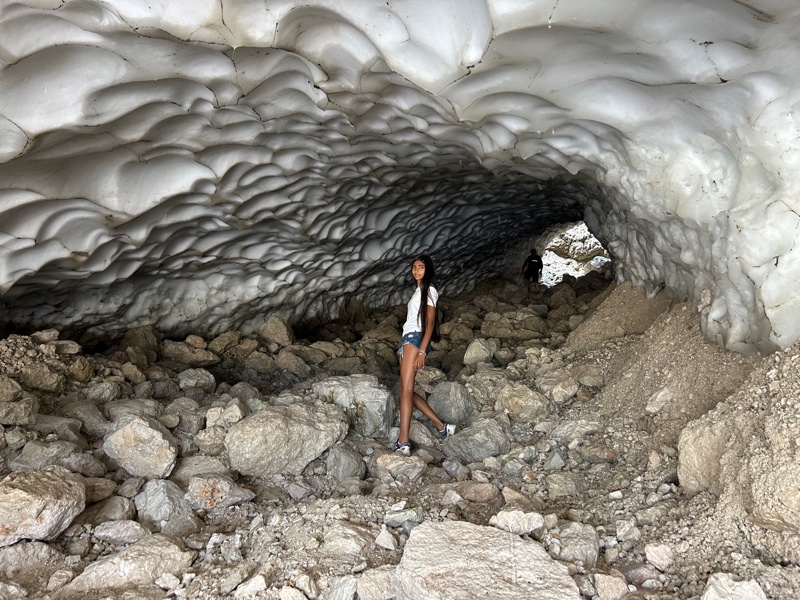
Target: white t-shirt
x=412, y=316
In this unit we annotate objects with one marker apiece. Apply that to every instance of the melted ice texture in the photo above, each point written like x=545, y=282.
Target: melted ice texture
x=197, y=164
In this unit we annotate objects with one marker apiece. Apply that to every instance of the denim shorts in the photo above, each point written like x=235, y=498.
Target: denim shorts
x=415, y=339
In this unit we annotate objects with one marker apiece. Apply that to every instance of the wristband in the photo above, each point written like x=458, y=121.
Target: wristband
x=421, y=352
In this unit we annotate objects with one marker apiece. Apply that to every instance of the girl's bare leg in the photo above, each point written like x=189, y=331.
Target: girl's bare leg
x=408, y=398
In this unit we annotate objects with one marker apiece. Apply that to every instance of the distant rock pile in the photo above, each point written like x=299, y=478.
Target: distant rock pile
x=258, y=466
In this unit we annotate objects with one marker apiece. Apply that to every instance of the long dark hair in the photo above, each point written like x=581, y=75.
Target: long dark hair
x=428, y=280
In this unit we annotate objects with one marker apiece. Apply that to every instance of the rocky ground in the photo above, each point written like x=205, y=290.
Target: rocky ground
x=605, y=450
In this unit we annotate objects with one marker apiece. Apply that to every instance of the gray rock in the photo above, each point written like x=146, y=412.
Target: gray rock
x=722, y=586
x=224, y=341
x=29, y=562
x=456, y=331
x=309, y=354
x=120, y=532
x=403, y=468
x=211, y=441
x=39, y=505
x=260, y=362
x=480, y=350
x=38, y=376
x=143, y=339
x=344, y=540
x=579, y=543
x=284, y=439
x=559, y=385
x=66, y=429
x=610, y=587
x=92, y=420
x=189, y=466
x=133, y=373
x=518, y=522
x=10, y=390
x=564, y=484
x=15, y=439
x=141, y=446
x=370, y=406
x=523, y=404
x=197, y=378
x=556, y=460
x=289, y=361
x=343, y=462
x=140, y=407
x=377, y=584
x=188, y=355
x=206, y=492
x=452, y=402
x=344, y=365
x=81, y=369
x=342, y=588
x=137, y=565
x=245, y=391
x=103, y=392
x=276, y=330
x=700, y=448
x=131, y=486
x=10, y=591
x=399, y=517
x=482, y=439
x=159, y=502
x=98, y=488
x=235, y=411
x=438, y=555
x=660, y=556
x=115, y=508
x=575, y=429
x=84, y=463
x=563, y=295
x=37, y=454
x=189, y=414
x=19, y=412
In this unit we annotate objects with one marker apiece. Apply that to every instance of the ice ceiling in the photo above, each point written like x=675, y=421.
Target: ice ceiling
x=196, y=164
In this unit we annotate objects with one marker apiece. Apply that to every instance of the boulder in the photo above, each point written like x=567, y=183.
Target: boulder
x=284, y=439
x=276, y=330
x=206, y=492
x=523, y=404
x=159, y=502
x=137, y=565
x=438, y=555
x=482, y=439
x=452, y=402
x=343, y=462
x=197, y=378
x=141, y=446
x=19, y=412
x=700, y=448
x=370, y=406
x=39, y=505
x=480, y=350
x=184, y=353
x=38, y=376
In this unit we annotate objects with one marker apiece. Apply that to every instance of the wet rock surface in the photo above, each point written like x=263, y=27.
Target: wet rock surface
x=619, y=455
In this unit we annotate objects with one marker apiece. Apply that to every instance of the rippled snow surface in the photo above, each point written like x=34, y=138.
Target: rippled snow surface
x=197, y=164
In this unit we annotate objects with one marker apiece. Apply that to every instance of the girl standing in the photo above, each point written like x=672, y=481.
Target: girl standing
x=419, y=330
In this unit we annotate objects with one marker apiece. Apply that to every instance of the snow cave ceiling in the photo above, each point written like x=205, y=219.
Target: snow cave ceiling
x=198, y=164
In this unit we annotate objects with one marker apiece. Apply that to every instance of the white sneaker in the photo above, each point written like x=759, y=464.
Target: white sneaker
x=402, y=448
x=447, y=430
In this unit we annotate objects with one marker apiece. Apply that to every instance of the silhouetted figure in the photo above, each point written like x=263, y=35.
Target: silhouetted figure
x=532, y=270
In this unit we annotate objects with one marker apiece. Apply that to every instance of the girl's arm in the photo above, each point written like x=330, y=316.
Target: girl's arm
x=426, y=337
